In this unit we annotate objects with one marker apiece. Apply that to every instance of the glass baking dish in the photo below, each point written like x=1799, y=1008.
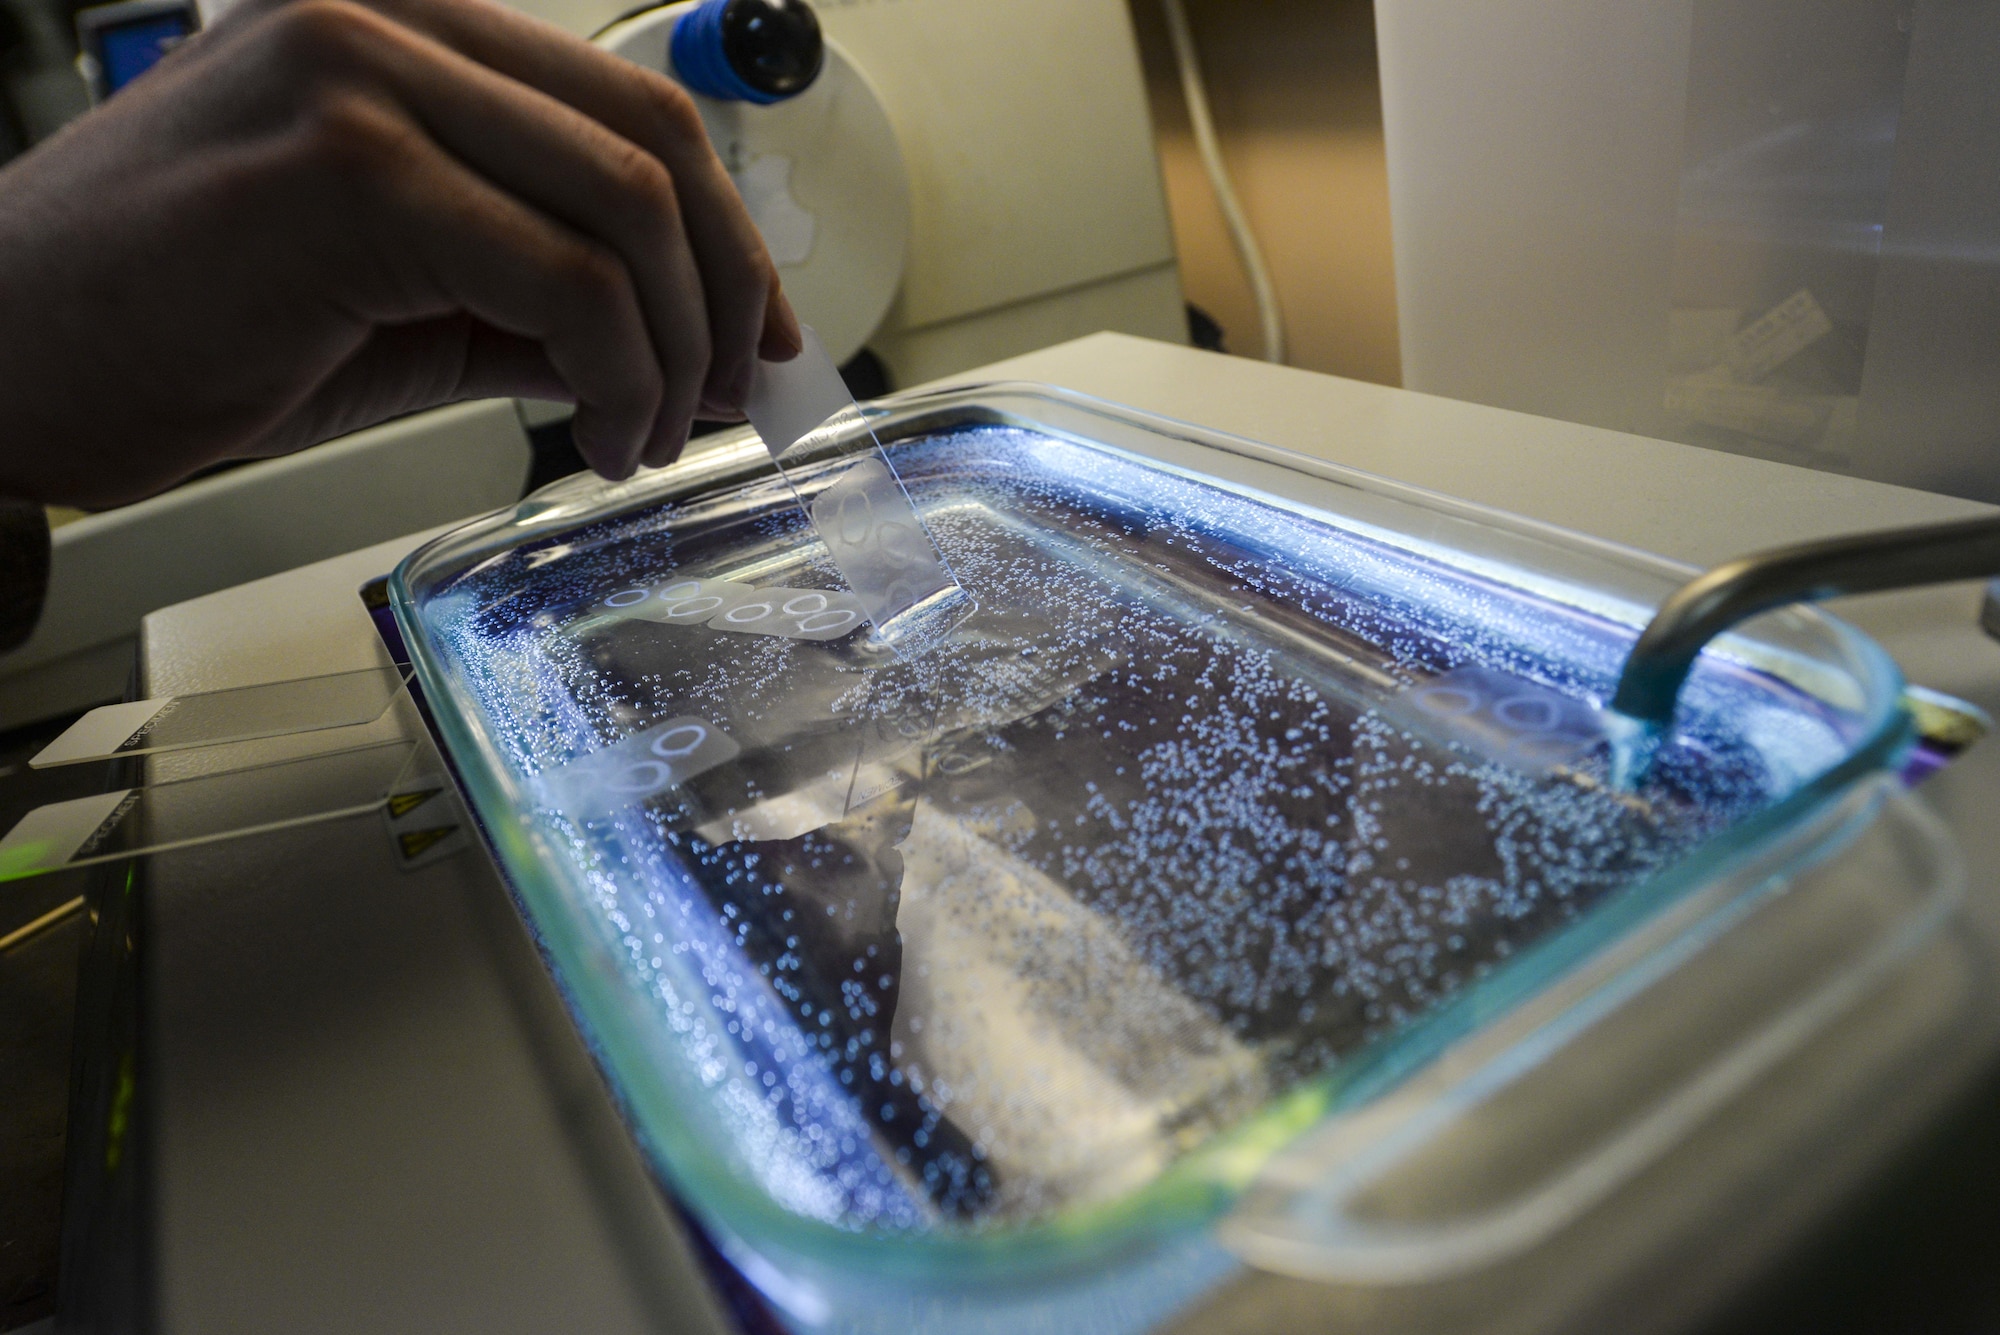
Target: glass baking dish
x=1246, y=787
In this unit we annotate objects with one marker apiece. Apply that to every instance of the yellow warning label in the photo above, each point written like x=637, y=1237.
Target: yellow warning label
x=415, y=842
x=402, y=804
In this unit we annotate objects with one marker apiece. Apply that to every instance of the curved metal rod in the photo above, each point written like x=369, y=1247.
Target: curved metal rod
x=1706, y=606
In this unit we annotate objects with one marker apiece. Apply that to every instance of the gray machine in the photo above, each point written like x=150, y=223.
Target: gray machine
x=327, y=1084
x=335, y=1089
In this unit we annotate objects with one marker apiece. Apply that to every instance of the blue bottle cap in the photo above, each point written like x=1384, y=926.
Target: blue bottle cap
x=759, y=51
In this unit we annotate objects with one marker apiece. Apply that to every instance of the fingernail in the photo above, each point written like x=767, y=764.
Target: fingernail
x=667, y=446
x=792, y=338
x=608, y=457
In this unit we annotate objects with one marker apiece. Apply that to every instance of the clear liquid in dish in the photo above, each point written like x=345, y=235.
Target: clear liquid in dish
x=1158, y=829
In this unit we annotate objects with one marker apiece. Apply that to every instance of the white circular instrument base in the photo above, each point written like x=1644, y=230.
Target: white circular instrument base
x=823, y=178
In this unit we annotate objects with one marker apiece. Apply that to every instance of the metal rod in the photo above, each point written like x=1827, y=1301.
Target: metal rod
x=1867, y=563
x=60, y=913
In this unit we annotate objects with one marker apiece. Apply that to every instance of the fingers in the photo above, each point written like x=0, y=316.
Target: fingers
x=591, y=153
x=573, y=169
x=407, y=368
x=450, y=240
x=747, y=312
x=782, y=338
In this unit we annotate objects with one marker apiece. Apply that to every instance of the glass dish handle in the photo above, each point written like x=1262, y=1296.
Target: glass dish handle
x=1331, y=1207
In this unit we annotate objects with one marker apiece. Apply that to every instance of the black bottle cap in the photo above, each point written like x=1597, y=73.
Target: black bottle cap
x=773, y=45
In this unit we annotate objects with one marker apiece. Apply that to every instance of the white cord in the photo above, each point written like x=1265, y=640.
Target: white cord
x=1268, y=315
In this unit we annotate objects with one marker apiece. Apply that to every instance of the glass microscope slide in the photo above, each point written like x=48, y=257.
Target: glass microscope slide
x=132, y=821
x=802, y=410
x=271, y=709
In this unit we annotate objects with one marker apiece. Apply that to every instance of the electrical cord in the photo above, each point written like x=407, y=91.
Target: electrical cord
x=1269, y=318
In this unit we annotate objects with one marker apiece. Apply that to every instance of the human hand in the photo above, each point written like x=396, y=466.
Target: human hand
x=317, y=215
